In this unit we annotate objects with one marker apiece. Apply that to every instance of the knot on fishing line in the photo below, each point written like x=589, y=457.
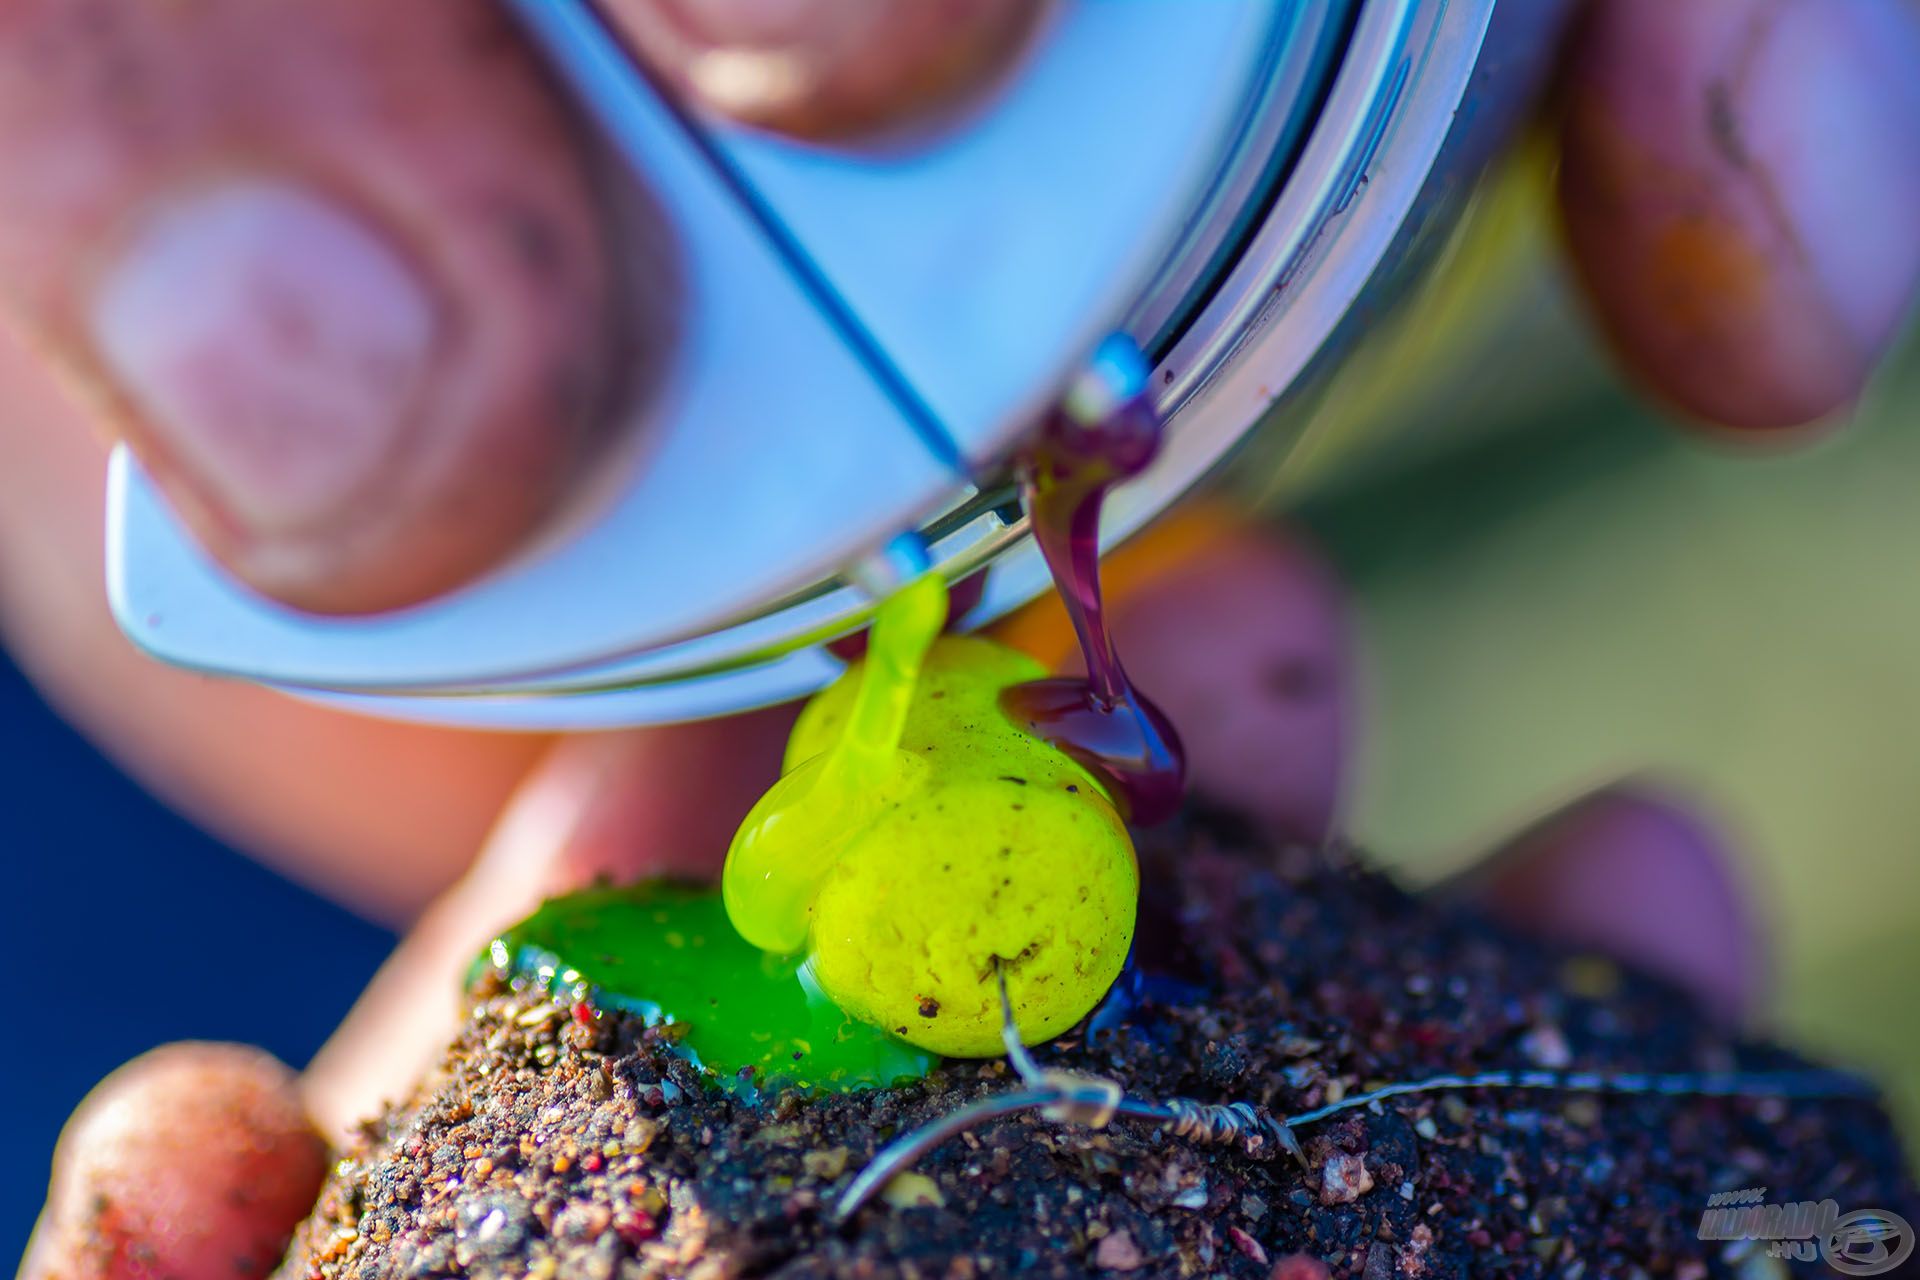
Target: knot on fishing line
x=1242, y=1123
x=1091, y=1101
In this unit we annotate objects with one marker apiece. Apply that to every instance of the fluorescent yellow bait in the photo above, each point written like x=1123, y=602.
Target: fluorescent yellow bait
x=917, y=837
x=827, y=796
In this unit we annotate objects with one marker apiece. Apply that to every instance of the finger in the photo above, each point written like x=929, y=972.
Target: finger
x=654, y=802
x=1239, y=634
x=194, y=1160
x=1740, y=184
x=1637, y=875
x=337, y=269
x=828, y=68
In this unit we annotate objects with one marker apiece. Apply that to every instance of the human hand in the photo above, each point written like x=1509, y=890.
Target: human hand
x=347, y=280
x=660, y=800
x=399, y=398
x=1242, y=638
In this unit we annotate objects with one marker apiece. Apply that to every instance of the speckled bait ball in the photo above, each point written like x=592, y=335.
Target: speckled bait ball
x=910, y=922
x=1008, y=850
x=976, y=843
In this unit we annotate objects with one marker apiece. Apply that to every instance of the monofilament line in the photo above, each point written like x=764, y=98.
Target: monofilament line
x=1093, y=1101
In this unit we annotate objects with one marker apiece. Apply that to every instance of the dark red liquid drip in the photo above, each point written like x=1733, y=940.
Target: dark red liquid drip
x=1100, y=720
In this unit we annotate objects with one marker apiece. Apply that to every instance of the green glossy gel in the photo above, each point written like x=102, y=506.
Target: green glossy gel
x=668, y=954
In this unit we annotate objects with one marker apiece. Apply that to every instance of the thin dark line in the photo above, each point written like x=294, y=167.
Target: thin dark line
x=919, y=414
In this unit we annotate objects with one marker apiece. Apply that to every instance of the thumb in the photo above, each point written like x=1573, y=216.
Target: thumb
x=657, y=802
x=337, y=270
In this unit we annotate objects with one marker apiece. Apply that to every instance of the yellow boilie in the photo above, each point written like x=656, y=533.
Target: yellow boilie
x=908, y=868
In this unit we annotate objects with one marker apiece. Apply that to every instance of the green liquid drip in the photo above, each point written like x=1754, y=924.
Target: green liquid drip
x=789, y=843
x=668, y=954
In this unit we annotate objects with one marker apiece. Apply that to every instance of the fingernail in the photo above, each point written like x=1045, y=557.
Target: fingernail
x=273, y=346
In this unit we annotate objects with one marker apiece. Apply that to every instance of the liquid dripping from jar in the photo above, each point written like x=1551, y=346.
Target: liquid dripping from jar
x=1105, y=432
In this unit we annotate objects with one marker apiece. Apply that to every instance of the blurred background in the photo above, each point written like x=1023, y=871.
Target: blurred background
x=1553, y=588
x=1556, y=589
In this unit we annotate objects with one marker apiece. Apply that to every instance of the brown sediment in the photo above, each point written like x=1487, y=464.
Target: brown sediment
x=546, y=1147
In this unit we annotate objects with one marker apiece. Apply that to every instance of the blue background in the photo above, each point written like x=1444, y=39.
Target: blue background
x=125, y=927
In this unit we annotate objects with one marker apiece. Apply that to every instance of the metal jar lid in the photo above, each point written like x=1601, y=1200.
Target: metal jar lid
x=870, y=334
